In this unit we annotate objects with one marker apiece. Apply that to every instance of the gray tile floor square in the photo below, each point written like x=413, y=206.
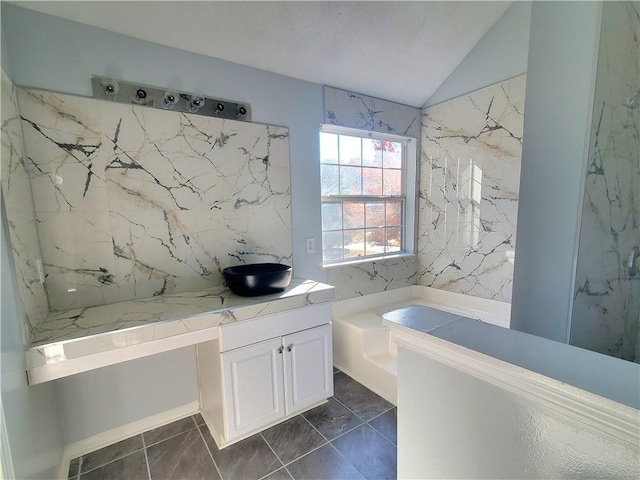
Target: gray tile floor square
x=352, y=436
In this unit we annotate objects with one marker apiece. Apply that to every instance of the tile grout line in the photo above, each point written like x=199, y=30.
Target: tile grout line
x=207, y=447
x=146, y=457
x=329, y=442
x=276, y=455
x=115, y=459
x=346, y=459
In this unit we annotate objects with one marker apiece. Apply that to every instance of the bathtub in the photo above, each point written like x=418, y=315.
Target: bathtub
x=362, y=346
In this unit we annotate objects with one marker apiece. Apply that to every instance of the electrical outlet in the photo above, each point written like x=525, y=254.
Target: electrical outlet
x=311, y=245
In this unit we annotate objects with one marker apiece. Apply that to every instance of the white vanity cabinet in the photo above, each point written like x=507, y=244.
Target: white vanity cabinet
x=261, y=371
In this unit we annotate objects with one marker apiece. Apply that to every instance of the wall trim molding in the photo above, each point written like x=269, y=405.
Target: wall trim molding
x=122, y=432
x=605, y=415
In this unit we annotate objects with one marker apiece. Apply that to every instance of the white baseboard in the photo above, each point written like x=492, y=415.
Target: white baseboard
x=122, y=432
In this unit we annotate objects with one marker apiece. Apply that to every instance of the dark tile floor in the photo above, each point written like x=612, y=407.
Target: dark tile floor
x=352, y=436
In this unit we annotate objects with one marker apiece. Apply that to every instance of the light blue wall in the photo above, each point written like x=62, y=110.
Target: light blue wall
x=29, y=413
x=561, y=78
x=55, y=54
x=99, y=400
x=501, y=54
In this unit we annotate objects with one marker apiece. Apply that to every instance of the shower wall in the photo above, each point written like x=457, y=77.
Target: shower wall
x=469, y=181
x=133, y=202
x=606, y=309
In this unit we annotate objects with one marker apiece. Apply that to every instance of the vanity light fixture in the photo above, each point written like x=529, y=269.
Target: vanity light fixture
x=196, y=104
x=181, y=102
x=109, y=88
x=170, y=100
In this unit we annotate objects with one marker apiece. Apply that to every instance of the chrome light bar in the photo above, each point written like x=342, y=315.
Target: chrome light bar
x=134, y=94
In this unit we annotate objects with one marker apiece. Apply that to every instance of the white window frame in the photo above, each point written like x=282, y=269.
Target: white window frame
x=409, y=185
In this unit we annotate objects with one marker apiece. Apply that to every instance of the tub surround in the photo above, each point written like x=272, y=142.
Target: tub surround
x=469, y=181
x=354, y=110
x=362, y=342
x=82, y=339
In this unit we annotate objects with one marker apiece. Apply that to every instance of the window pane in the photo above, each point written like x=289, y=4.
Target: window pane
x=332, y=245
x=328, y=147
x=350, y=180
x=394, y=241
x=372, y=181
x=392, y=182
x=371, y=152
x=329, y=179
x=394, y=213
x=331, y=216
x=350, y=150
x=353, y=243
x=375, y=216
x=392, y=154
x=353, y=215
x=375, y=241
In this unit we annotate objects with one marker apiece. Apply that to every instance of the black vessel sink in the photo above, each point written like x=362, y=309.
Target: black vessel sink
x=257, y=278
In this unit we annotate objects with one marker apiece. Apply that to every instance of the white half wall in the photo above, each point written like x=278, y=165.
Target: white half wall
x=452, y=424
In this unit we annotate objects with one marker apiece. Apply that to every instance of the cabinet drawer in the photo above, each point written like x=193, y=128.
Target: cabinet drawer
x=246, y=332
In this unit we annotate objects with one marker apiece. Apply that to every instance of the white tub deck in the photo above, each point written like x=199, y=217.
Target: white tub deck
x=362, y=344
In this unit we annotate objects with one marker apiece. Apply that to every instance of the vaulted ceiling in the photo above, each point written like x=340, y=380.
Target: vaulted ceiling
x=400, y=51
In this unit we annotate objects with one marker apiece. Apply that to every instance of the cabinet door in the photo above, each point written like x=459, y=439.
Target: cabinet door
x=253, y=387
x=308, y=367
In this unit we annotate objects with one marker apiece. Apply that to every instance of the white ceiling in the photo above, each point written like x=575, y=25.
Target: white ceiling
x=399, y=51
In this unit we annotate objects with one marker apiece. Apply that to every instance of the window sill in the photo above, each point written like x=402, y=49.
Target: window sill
x=368, y=260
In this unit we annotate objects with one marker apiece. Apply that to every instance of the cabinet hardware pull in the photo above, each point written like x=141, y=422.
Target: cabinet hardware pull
x=290, y=347
x=280, y=350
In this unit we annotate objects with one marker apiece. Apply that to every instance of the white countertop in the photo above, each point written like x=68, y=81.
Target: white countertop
x=78, y=340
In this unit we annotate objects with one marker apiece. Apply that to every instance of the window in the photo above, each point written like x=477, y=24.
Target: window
x=365, y=199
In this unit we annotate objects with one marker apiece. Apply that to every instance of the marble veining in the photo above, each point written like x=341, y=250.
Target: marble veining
x=364, y=278
x=606, y=310
x=134, y=202
x=21, y=218
x=85, y=331
x=353, y=110
x=469, y=180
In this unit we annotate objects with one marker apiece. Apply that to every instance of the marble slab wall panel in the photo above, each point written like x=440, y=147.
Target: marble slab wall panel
x=606, y=310
x=353, y=110
x=469, y=180
x=21, y=219
x=135, y=202
x=377, y=276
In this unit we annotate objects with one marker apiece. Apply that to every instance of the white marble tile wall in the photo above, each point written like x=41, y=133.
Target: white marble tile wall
x=606, y=315
x=18, y=204
x=377, y=276
x=354, y=110
x=469, y=180
x=135, y=202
